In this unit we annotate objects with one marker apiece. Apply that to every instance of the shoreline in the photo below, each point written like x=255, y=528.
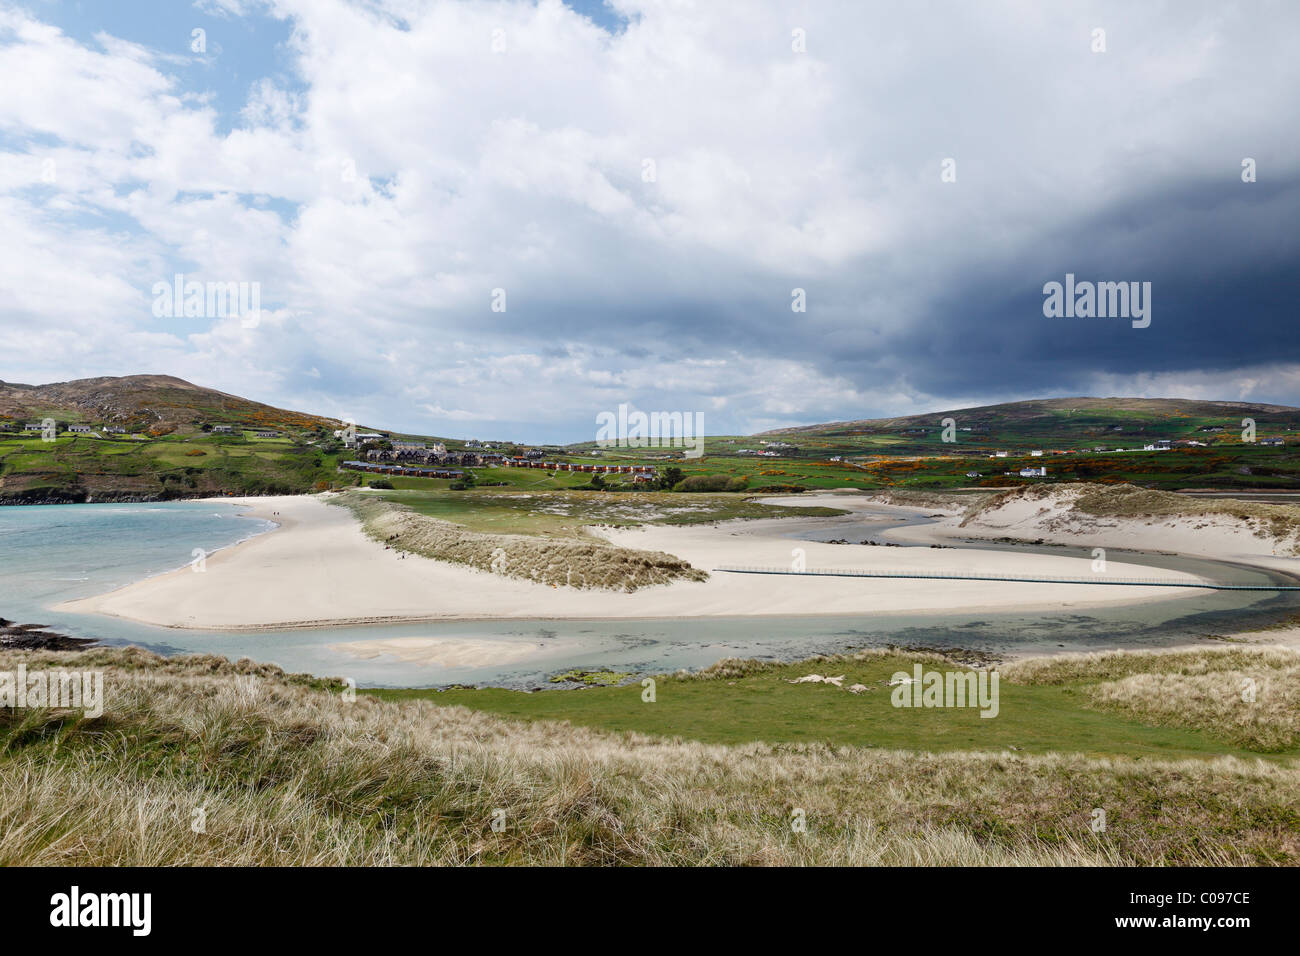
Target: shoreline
x=321, y=553
x=317, y=569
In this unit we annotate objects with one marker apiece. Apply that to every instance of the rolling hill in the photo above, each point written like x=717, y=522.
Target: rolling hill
x=153, y=439
x=1063, y=421
x=144, y=402
x=164, y=445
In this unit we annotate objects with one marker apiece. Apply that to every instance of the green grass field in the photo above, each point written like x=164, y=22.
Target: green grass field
x=745, y=703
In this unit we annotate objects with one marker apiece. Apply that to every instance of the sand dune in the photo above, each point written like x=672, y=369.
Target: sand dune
x=1049, y=513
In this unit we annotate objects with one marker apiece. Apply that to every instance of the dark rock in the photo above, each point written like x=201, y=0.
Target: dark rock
x=35, y=637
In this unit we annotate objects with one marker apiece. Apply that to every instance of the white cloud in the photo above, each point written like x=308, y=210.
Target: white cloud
x=416, y=170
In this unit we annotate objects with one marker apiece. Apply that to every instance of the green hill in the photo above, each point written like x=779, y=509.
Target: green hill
x=151, y=437
x=157, y=403
x=1067, y=422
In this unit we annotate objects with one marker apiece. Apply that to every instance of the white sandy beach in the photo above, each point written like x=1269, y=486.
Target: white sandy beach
x=319, y=568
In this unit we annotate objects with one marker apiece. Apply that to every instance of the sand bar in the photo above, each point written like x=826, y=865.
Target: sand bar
x=318, y=568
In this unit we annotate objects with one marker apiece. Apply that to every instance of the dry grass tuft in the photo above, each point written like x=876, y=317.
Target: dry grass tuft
x=565, y=562
x=1249, y=696
x=1255, y=709
x=940, y=500
x=1113, y=665
x=288, y=773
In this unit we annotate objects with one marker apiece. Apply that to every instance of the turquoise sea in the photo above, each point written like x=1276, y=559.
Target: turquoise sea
x=54, y=553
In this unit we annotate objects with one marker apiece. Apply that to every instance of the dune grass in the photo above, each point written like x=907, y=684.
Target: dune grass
x=199, y=761
x=1248, y=696
x=586, y=562
x=541, y=511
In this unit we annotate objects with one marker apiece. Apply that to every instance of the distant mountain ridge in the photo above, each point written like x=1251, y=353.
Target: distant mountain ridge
x=1059, y=413
x=165, y=401
x=144, y=401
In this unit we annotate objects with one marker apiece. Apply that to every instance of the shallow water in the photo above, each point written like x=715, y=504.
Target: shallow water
x=50, y=554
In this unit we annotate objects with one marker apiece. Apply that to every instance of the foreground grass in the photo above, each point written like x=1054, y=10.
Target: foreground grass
x=285, y=771
x=1076, y=703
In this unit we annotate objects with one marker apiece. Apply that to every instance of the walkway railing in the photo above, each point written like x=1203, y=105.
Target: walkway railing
x=1037, y=579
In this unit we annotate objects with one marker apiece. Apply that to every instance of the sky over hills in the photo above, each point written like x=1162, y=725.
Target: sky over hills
x=648, y=182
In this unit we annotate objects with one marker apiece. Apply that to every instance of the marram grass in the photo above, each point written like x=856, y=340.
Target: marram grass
x=197, y=761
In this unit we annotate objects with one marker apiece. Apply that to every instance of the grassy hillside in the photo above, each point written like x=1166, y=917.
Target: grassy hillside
x=172, y=452
x=915, y=463
x=81, y=467
x=167, y=447
x=199, y=761
x=910, y=451
x=151, y=404
x=1070, y=419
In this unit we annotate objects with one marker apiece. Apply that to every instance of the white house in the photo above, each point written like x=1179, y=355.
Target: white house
x=80, y=429
x=1032, y=472
x=1036, y=453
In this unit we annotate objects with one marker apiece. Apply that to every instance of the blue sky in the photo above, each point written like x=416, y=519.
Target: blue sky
x=645, y=184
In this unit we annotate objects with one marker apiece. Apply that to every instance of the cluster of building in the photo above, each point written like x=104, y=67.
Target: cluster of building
x=1162, y=444
x=418, y=453
x=410, y=471
x=76, y=429
x=238, y=430
x=638, y=472
x=1028, y=472
x=773, y=449
x=410, y=462
x=83, y=429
